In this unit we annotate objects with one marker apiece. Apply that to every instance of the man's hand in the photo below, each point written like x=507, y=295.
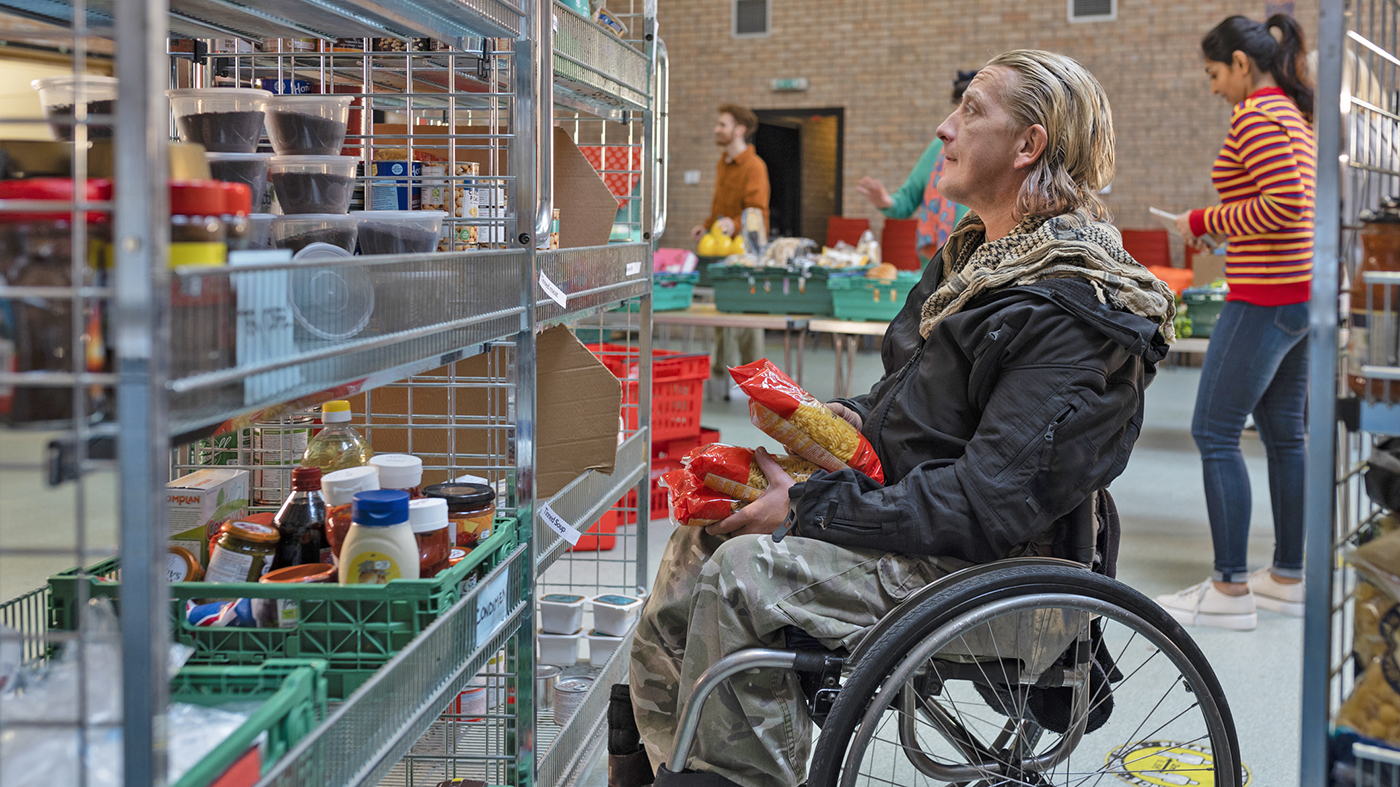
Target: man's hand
x=851, y=416
x=727, y=226
x=697, y=232
x=764, y=515
x=875, y=191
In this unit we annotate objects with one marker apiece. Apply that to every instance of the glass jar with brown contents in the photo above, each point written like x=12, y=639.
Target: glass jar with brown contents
x=339, y=489
x=428, y=516
x=472, y=509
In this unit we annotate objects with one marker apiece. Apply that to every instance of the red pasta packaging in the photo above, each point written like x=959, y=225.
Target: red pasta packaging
x=735, y=472
x=798, y=420
x=693, y=504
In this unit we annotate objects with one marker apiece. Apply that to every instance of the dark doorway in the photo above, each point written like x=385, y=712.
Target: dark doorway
x=803, y=149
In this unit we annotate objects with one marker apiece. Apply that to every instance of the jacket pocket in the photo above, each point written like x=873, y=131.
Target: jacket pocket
x=1041, y=439
x=902, y=575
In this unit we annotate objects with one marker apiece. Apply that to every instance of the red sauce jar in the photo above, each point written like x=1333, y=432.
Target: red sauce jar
x=339, y=489
x=428, y=517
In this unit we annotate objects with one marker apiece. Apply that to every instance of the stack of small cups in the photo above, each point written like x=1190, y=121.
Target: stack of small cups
x=228, y=122
x=312, y=181
x=561, y=626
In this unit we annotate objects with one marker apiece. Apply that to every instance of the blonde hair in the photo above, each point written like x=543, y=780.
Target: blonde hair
x=1061, y=95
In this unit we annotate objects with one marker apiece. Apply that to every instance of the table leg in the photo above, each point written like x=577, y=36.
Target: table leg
x=787, y=349
x=801, y=353
x=837, y=346
x=851, y=365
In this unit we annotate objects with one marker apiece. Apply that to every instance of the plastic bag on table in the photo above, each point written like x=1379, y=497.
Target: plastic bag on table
x=692, y=504
x=798, y=420
x=735, y=472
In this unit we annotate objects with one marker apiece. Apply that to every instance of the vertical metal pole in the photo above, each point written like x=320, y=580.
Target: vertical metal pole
x=1322, y=398
x=142, y=337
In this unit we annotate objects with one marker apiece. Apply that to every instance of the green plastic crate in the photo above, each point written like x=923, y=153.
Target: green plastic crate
x=293, y=694
x=858, y=298
x=771, y=290
x=704, y=269
x=356, y=629
x=1203, y=305
x=670, y=292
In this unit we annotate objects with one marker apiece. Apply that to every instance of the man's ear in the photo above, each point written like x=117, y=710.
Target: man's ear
x=1030, y=146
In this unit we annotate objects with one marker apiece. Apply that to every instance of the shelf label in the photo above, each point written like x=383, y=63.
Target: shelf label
x=491, y=607
x=557, y=523
x=556, y=22
x=552, y=290
x=634, y=268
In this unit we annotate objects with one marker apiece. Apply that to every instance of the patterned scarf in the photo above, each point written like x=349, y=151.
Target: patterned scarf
x=1039, y=248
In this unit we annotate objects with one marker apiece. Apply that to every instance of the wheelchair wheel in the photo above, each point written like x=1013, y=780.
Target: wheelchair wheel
x=1030, y=675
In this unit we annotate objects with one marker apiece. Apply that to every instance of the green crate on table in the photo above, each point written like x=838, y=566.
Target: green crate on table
x=356, y=629
x=1203, y=305
x=705, y=267
x=670, y=292
x=858, y=298
x=293, y=695
x=739, y=288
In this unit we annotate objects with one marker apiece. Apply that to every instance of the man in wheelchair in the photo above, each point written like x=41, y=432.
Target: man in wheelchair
x=1012, y=393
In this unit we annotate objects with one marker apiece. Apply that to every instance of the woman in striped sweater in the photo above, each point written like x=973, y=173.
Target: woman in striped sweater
x=1257, y=362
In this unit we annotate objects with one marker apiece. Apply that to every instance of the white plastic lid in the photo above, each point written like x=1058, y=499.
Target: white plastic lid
x=339, y=487
x=427, y=514
x=398, y=471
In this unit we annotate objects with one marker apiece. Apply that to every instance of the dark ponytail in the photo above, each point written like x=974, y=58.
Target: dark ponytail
x=1285, y=59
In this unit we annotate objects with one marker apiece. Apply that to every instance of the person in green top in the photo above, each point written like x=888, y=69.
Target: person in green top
x=919, y=194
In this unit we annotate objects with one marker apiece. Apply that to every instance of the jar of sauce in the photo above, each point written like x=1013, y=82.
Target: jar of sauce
x=428, y=516
x=238, y=204
x=472, y=509
x=283, y=612
x=339, y=488
x=399, y=471
x=243, y=552
x=1374, y=338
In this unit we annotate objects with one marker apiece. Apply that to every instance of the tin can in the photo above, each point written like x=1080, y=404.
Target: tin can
x=279, y=445
x=568, y=695
x=545, y=676
x=554, y=230
x=471, y=703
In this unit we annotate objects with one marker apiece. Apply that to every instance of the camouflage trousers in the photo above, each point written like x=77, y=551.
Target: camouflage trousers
x=715, y=596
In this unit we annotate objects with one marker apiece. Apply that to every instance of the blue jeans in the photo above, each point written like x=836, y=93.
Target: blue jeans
x=1257, y=363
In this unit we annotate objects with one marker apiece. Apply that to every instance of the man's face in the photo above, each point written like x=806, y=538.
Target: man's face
x=726, y=130
x=980, y=141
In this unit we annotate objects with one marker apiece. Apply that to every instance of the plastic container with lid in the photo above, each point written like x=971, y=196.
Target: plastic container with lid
x=380, y=546
x=313, y=184
x=561, y=613
x=203, y=314
x=471, y=507
x=60, y=96
x=249, y=169
x=222, y=119
x=561, y=650
x=428, y=517
x=399, y=471
x=243, y=552
x=613, y=614
x=1369, y=342
x=260, y=231
x=238, y=204
x=198, y=235
x=399, y=231
x=307, y=125
x=339, y=445
x=298, y=232
x=282, y=612
x=339, y=489
x=36, y=250
x=601, y=647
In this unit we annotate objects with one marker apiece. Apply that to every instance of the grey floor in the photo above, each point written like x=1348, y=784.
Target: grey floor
x=1166, y=546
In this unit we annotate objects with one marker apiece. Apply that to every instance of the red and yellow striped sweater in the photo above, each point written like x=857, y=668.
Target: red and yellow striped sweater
x=1265, y=176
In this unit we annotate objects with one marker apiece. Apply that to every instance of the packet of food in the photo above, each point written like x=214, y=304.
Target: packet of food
x=1375, y=623
x=735, y=471
x=1373, y=709
x=692, y=504
x=1379, y=560
x=805, y=426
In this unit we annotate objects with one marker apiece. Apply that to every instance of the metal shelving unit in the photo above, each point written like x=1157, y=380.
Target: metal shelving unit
x=503, y=80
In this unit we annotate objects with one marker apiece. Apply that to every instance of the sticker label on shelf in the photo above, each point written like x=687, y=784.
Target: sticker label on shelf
x=558, y=524
x=491, y=607
x=634, y=268
x=552, y=290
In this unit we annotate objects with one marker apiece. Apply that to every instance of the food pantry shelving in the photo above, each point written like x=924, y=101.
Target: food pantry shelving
x=502, y=75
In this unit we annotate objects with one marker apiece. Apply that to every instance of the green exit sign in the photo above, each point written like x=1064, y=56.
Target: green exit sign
x=793, y=85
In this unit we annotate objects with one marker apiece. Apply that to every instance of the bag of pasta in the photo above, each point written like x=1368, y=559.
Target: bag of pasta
x=735, y=472
x=798, y=420
x=1373, y=709
x=694, y=505
x=1375, y=622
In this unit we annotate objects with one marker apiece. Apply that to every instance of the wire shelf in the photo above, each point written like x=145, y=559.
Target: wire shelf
x=594, y=67
x=592, y=278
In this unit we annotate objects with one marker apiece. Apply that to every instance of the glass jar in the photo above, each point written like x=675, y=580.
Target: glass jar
x=202, y=312
x=243, y=553
x=399, y=471
x=428, y=516
x=36, y=332
x=238, y=204
x=472, y=509
x=339, y=489
x=1375, y=309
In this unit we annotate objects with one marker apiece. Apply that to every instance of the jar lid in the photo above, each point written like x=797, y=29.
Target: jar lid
x=196, y=197
x=306, y=478
x=455, y=556
x=398, y=471
x=427, y=514
x=336, y=411
x=340, y=486
x=53, y=190
x=307, y=572
x=182, y=566
x=468, y=494
x=238, y=198
x=256, y=532
x=379, y=508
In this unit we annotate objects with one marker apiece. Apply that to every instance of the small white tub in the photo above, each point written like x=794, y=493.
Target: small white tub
x=601, y=647
x=561, y=613
x=561, y=650
x=613, y=614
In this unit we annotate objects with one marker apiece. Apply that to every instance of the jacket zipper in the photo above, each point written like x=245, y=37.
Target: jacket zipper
x=1045, y=438
x=1049, y=436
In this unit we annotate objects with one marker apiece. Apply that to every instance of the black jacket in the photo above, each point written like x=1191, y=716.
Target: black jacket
x=1012, y=413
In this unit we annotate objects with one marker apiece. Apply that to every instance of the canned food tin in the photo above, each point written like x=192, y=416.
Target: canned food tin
x=545, y=676
x=278, y=445
x=568, y=695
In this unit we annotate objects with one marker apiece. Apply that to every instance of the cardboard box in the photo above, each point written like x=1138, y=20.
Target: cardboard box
x=1206, y=268
x=199, y=503
x=578, y=401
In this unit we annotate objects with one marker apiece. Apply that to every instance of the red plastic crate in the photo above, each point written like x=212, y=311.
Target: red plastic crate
x=601, y=536
x=660, y=467
x=677, y=388
x=675, y=449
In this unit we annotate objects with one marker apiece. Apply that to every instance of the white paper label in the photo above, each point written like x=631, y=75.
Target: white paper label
x=556, y=22
x=491, y=607
x=634, y=268
x=226, y=566
x=552, y=290
x=559, y=525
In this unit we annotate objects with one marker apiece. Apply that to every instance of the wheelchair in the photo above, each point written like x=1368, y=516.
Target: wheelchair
x=1025, y=671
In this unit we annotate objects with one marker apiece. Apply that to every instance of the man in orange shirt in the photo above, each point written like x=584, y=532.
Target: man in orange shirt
x=741, y=181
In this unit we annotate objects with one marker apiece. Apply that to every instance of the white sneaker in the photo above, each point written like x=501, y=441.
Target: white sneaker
x=1203, y=605
x=1276, y=596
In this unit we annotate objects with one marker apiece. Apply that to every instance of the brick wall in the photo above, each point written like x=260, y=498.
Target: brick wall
x=818, y=174
x=890, y=64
